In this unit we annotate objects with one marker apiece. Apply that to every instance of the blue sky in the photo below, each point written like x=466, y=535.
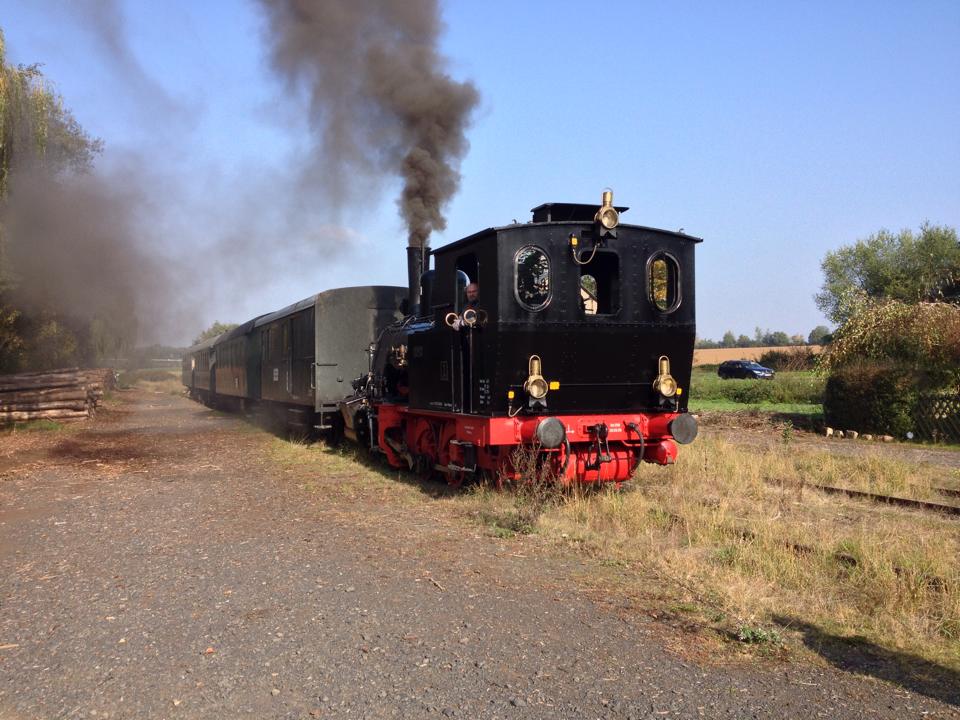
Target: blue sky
x=775, y=131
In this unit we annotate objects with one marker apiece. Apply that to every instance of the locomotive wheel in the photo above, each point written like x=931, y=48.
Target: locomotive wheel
x=423, y=467
x=455, y=478
x=426, y=457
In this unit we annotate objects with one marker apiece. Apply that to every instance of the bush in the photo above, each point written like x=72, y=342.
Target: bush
x=883, y=358
x=871, y=398
x=924, y=336
x=789, y=360
x=885, y=399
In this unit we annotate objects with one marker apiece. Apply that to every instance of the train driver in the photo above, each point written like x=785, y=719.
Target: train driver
x=473, y=295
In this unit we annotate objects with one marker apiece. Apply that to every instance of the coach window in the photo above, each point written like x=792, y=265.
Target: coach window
x=600, y=285
x=532, y=278
x=663, y=282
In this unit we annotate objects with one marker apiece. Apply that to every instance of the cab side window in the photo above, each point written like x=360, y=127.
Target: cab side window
x=663, y=282
x=532, y=278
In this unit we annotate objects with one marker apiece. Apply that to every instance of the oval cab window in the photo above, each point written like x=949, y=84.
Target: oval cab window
x=533, y=278
x=664, y=282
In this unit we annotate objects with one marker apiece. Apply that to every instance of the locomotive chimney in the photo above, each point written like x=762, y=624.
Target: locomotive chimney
x=416, y=265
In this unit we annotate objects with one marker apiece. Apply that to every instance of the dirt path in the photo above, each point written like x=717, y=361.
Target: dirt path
x=161, y=563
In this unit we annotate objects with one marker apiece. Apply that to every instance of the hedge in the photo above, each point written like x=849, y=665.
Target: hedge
x=880, y=399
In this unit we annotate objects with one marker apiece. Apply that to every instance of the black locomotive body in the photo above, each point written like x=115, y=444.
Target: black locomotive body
x=600, y=344
x=579, y=347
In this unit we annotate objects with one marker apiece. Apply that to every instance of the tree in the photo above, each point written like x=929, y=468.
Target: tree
x=37, y=135
x=36, y=129
x=776, y=339
x=743, y=341
x=909, y=267
x=819, y=335
x=11, y=342
x=729, y=339
x=218, y=328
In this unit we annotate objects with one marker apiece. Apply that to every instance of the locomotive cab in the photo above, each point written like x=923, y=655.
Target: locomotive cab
x=579, y=348
x=572, y=317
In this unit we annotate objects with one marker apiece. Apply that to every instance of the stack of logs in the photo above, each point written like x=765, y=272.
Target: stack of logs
x=69, y=394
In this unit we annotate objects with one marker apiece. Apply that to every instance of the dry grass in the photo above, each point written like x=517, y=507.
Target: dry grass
x=738, y=538
x=744, y=532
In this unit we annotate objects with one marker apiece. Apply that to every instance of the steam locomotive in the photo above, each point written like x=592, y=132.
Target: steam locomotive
x=578, y=351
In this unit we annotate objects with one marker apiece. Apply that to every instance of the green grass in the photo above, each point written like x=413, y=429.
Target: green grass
x=795, y=388
x=810, y=409
x=35, y=426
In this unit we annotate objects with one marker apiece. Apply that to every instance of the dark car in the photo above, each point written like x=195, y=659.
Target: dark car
x=746, y=369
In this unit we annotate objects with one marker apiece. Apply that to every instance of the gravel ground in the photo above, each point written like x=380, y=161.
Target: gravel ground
x=160, y=564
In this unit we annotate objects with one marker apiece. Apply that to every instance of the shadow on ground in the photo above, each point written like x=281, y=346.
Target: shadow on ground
x=858, y=655
x=809, y=423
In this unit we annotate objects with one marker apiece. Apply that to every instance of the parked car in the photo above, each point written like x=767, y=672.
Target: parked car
x=744, y=369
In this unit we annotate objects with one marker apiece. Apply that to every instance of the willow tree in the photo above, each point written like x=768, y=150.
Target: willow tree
x=37, y=134
x=36, y=130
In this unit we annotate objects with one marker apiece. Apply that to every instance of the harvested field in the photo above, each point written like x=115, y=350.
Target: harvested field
x=169, y=561
x=715, y=356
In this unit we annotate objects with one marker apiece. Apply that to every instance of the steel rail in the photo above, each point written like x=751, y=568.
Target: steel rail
x=889, y=499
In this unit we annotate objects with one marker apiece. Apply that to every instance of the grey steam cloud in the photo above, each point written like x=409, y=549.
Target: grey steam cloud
x=130, y=243
x=87, y=245
x=76, y=245
x=380, y=100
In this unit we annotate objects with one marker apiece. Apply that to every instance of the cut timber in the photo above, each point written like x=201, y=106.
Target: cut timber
x=43, y=395
x=6, y=386
x=65, y=394
x=54, y=405
x=9, y=417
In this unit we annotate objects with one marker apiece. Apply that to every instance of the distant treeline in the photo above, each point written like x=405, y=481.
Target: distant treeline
x=766, y=338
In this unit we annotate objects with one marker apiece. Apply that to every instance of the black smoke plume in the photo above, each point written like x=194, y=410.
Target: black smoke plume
x=77, y=246
x=379, y=99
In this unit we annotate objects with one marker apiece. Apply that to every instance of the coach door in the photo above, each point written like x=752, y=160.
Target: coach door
x=287, y=361
x=302, y=354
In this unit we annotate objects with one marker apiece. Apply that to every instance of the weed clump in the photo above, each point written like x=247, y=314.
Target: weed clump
x=756, y=635
x=535, y=489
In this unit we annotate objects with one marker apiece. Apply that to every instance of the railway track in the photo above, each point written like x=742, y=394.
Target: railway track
x=894, y=500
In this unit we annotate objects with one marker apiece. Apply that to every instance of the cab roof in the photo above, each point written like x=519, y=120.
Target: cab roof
x=562, y=214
